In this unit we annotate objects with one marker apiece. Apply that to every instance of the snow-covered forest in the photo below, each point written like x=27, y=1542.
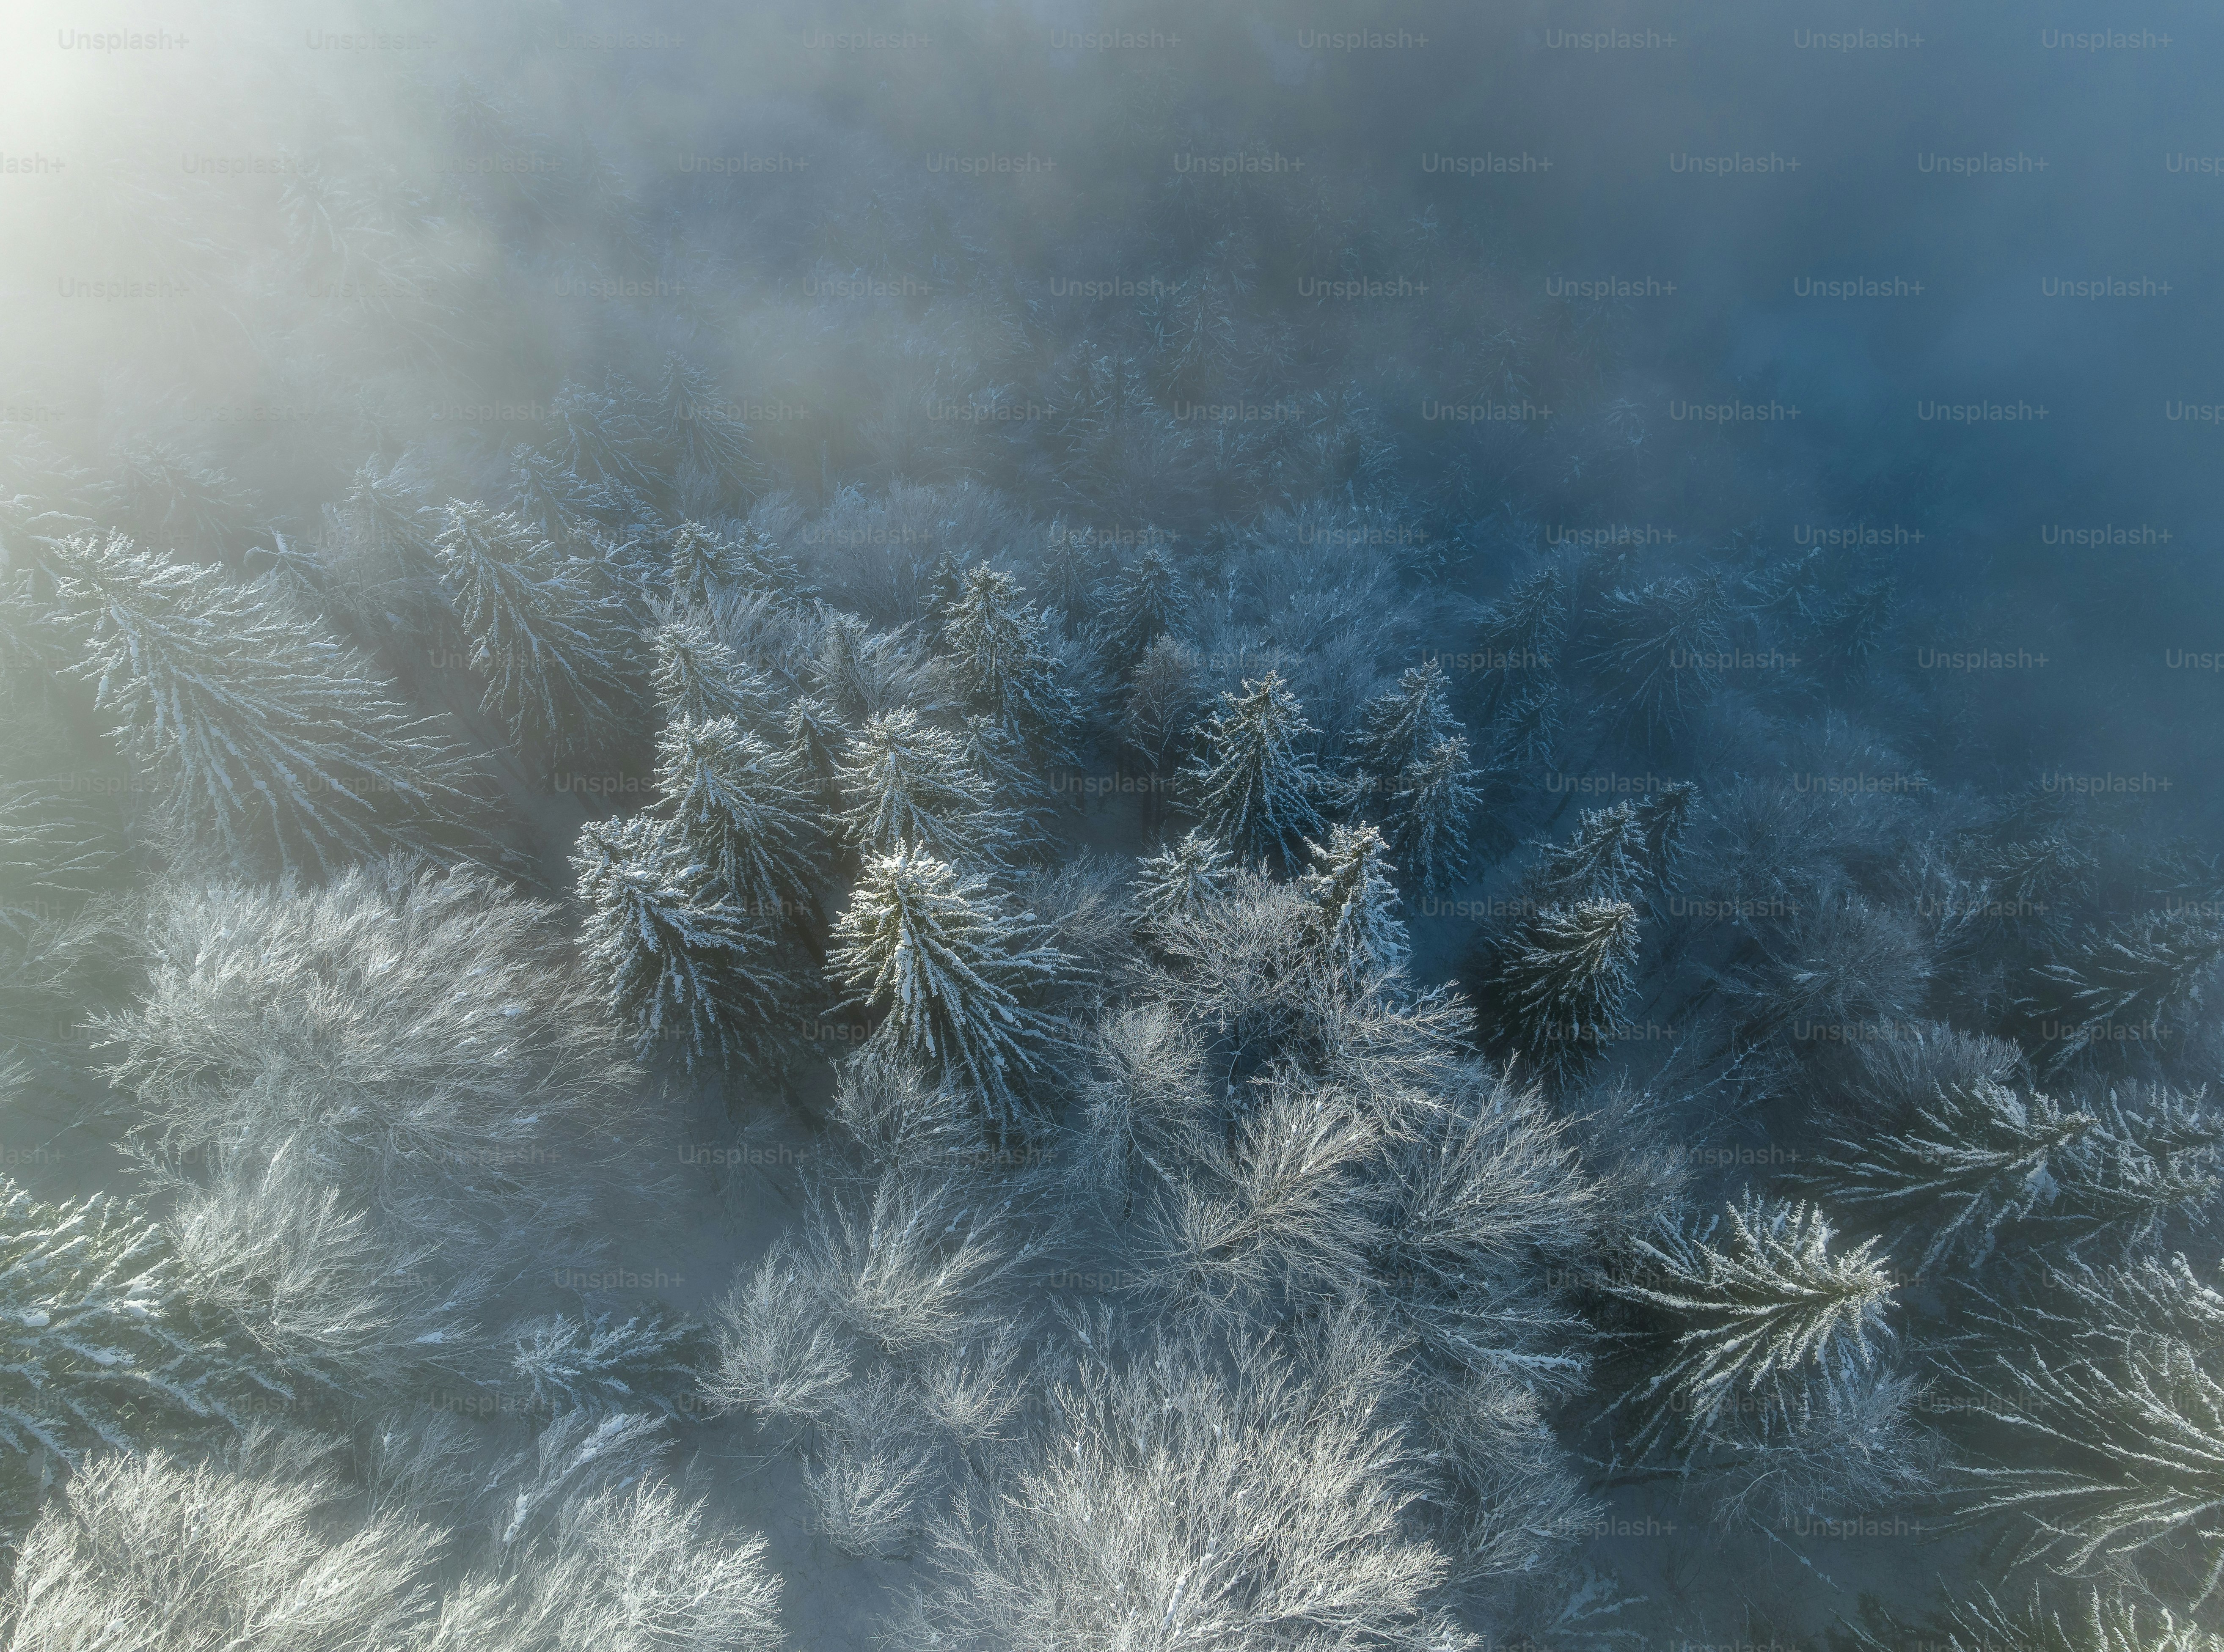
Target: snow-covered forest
x=946, y=830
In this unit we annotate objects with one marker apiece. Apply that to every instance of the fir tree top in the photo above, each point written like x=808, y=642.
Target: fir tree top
x=1354, y=894
x=948, y=960
x=1183, y=877
x=1251, y=788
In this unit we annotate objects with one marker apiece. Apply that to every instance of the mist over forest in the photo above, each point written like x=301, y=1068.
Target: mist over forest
x=1153, y=829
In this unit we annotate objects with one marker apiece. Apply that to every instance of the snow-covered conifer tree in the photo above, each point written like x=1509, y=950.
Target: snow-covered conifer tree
x=1251, y=787
x=703, y=565
x=1560, y=984
x=174, y=503
x=816, y=740
x=1431, y=808
x=553, y=650
x=760, y=568
x=573, y=513
x=1068, y=563
x=1353, y=890
x=1663, y=815
x=378, y=544
x=597, y=435
x=1015, y=786
x=103, y=1341
x=269, y=741
x=1976, y=1162
x=1183, y=877
x=1142, y=603
x=1758, y=1310
x=1662, y=646
x=697, y=677
x=907, y=783
x=2130, y=1456
x=1403, y=726
x=1603, y=859
x=703, y=446
x=736, y=811
x=944, y=584
x=949, y=963
x=1004, y=663
x=862, y=672
x=709, y=568
x=1519, y=646
x=678, y=962
x=2133, y=977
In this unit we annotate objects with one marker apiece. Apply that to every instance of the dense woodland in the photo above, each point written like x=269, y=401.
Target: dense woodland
x=1280, y=1031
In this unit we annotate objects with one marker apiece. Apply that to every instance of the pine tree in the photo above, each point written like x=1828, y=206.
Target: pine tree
x=560, y=506
x=1519, y=644
x=1971, y=1161
x=946, y=584
x=1015, y=786
x=597, y=436
x=1004, y=664
x=736, y=810
x=1068, y=565
x=1560, y=985
x=267, y=740
x=2113, y=1619
x=378, y=541
x=697, y=677
x=1525, y=732
x=1352, y=889
x=908, y=785
x=1603, y=859
x=861, y=672
x=1661, y=655
x=2132, y=1448
x=1402, y=726
x=1431, y=809
x=708, y=568
x=703, y=566
x=173, y=504
x=2063, y=1306
x=1757, y=1311
x=552, y=647
x=762, y=568
x=1979, y=1163
x=947, y=961
x=2131, y=979
x=705, y=449
x=102, y=1341
x=677, y=962
x=1663, y=815
x=1251, y=789
x=1183, y=877
x=1141, y=603
x=816, y=740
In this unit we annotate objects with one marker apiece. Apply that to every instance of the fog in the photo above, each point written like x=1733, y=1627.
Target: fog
x=1021, y=826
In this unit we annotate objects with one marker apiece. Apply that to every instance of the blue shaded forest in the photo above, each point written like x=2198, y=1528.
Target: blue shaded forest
x=1012, y=828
